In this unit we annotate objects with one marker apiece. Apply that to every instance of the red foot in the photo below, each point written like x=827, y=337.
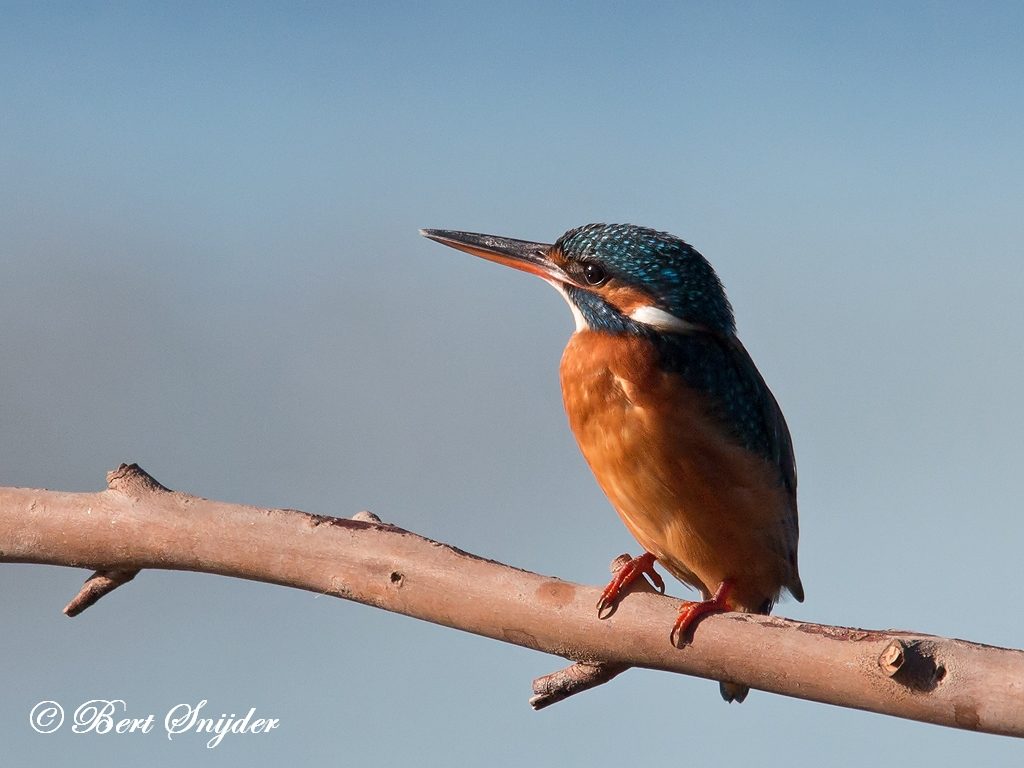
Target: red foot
x=690, y=612
x=626, y=575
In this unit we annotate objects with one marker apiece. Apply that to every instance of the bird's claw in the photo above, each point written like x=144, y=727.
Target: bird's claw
x=626, y=575
x=692, y=611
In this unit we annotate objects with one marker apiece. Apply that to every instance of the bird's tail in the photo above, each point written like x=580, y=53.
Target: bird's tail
x=733, y=692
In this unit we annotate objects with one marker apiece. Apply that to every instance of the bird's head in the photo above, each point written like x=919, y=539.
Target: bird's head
x=618, y=278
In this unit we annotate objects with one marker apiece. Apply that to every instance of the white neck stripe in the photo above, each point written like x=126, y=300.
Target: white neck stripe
x=662, y=320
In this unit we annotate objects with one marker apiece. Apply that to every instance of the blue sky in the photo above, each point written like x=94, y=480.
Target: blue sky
x=208, y=237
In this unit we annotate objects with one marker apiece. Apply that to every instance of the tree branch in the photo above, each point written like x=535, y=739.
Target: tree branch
x=137, y=523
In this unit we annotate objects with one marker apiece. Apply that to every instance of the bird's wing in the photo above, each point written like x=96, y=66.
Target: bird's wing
x=776, y=444
x=719, y=366
x=776, y=431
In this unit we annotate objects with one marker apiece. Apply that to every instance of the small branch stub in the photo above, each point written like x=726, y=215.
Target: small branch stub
x=366, y=516
x=892, y=658
x=95, y=587
x=133, y=480
x=577, y=678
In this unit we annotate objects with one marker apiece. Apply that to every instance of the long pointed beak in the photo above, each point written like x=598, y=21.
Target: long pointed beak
x=518, y=254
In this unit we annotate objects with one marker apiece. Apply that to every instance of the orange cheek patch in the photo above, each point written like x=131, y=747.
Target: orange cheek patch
x=624, y=298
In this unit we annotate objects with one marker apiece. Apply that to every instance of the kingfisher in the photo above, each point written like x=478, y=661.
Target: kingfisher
x=678, y=426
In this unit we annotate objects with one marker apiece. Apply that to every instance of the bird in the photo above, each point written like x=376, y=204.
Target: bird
x=674, y=419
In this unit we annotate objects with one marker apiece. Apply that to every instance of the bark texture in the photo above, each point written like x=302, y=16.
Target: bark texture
x=137, y=524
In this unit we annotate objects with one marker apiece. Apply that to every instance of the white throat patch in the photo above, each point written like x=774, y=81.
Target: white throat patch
x=581, y=321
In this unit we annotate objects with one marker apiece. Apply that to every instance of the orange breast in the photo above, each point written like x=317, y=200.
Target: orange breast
x=705, y=507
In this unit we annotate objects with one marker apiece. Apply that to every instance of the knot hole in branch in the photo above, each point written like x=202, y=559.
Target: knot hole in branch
x=914, y=664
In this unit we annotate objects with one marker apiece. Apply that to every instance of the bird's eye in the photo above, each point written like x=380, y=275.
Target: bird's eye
x=594, y=274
